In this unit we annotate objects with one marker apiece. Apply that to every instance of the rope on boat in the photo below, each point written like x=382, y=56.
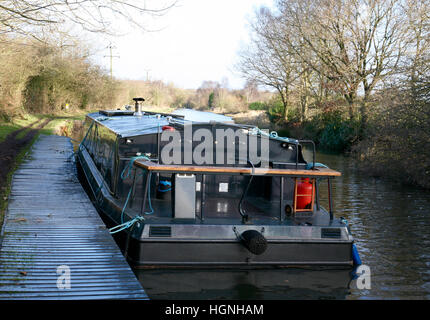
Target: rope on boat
x=272, y=134
x=317, y=164
x=127, y=169
x=126, y=225
x=126, y=172
x=129, y=166
x=102, y=118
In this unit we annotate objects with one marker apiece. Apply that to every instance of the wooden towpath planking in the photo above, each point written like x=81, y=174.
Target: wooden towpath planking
x=50, y=222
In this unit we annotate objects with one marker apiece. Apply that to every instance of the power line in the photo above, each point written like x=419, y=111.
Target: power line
x=111, y=56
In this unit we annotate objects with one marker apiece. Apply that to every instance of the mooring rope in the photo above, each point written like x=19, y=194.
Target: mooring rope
x=126, y=172
x=126, y=225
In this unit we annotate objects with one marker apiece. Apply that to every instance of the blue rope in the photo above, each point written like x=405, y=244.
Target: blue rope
x=102, y=118
x=317, y=164
x=129, y=166
x=149, y=200
x=126, y=172
x=272, y=134
x=126, y=225
x=125, y=204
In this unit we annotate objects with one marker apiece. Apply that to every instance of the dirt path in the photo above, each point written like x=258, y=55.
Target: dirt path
x=12, y=135
x=10, y=148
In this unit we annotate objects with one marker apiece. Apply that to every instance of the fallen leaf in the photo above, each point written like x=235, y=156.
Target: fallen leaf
x=20, y=219
x=23, y=273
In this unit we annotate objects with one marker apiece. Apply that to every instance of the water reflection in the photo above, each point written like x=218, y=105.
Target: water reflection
x=391, y=224
x=291, y=283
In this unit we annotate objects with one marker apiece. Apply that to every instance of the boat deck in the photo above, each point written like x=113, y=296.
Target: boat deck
x=51, y=223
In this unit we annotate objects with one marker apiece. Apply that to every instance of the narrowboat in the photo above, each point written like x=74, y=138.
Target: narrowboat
x=197, y=189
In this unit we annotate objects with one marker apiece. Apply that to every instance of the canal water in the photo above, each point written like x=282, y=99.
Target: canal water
x=391, y=226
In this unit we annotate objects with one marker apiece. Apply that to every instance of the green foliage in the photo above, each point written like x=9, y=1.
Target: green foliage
x=211, y=100
x=258, y=105
x=332, y=131
x=284, y=132
x=293, y=115
x=275, y=109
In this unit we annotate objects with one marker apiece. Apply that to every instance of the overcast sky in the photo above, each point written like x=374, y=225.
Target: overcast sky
x=199, y=41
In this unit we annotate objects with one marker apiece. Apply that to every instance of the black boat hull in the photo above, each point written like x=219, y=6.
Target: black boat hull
x=224, y=253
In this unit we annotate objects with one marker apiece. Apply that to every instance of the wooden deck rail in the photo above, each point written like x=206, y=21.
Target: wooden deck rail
x=152, y=166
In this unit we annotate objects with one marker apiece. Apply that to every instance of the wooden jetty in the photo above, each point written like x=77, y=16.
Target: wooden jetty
x=51, y=227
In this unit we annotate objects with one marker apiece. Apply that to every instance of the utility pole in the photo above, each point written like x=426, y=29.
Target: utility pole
x=111, y=56
x=147, y=74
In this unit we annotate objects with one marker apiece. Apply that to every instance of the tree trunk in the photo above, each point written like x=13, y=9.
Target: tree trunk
x=350, y=99
x=363, y=112
x=304, y=96
x=284, y=98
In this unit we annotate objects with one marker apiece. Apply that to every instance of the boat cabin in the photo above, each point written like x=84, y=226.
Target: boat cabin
x=127, y=151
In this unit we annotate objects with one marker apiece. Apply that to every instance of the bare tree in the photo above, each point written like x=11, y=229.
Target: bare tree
x=267, y=63
x=28, y=16
x=357, y=43
x=205, y=94
x=417, y=56
x=250, y=90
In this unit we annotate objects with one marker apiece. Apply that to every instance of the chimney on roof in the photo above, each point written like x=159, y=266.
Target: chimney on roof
x=138, y=106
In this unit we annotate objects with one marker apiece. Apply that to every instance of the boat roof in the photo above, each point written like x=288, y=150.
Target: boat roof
x=202, y=116
x=129, y=125
x=125, y=124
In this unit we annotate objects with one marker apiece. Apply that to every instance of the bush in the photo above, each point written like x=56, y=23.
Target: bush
x=332, y=131
x=398, y=140
x=44, y=78
x=275, y=110
x=258, y=105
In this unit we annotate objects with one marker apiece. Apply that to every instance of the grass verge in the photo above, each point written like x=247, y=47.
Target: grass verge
x=6, y=191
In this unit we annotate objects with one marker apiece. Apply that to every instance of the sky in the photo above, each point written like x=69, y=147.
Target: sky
x=199, y=40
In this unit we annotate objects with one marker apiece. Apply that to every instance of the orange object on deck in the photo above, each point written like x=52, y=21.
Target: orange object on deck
x=167, y=128
x=304, y=194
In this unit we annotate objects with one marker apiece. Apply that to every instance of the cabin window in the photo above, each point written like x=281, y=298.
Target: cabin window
x=100, y=144
x=105, y=156
x=89, y=136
